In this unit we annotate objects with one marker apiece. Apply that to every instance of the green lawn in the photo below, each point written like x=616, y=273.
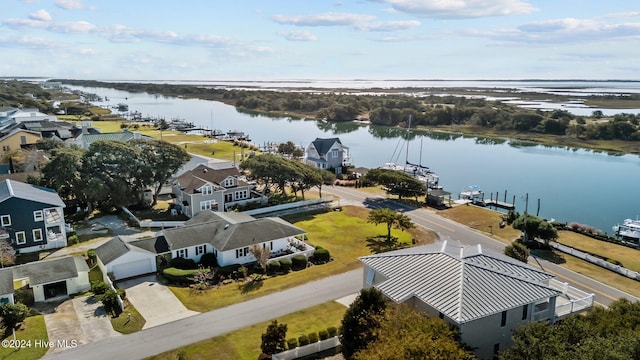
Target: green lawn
x=95, y=274
x=481, y=219
x=343, y=233
x=627, y=256
x=125, y=325
x=244, y=344
x=33, y=328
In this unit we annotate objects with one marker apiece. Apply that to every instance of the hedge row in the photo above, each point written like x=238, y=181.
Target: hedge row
x=180, y=275
x=311, y=338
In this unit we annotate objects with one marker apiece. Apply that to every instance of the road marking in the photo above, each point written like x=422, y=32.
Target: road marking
x=434, y=223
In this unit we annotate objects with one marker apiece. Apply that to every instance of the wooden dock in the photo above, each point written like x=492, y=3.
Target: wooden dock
x=500, y=204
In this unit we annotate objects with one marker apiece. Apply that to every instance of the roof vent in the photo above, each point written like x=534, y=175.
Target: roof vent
x=205, y=170
x=226, y=226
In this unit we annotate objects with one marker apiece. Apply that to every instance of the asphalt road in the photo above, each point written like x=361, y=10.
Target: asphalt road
x=170, y=336
x=452, y=231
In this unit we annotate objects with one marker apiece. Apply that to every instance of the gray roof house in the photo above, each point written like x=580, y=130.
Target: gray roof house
x=49, y=279
x=327, y=154
x=485, y=294
x=124, y=259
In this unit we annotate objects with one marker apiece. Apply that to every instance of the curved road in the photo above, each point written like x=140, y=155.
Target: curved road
x=203, y=326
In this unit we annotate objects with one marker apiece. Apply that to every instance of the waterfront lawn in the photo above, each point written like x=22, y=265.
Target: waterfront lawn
x=244, y=344
x=343, y=233
x=33, y=328
x=625, y=255
x=481, y=219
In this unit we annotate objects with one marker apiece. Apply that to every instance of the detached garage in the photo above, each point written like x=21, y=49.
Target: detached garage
x=124, y=260
x=54, y=279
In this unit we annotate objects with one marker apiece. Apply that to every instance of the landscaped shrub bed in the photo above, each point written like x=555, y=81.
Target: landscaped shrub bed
x=180, y=275
x=321, y=255
x=299, y=262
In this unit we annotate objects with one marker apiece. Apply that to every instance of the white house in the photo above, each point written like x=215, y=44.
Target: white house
x=49, y=279
x=125, y=260
x=485, y=294
x=327, y=154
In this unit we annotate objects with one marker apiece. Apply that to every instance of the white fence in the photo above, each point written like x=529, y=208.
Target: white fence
x=293, y=207
x=596, y=260
x=107, y=279
x=307, y=350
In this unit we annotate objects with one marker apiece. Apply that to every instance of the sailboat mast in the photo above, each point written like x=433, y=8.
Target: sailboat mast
x=406, y=157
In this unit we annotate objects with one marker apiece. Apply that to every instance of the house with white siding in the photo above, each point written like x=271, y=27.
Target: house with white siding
x=327, y=154
x=483, y=293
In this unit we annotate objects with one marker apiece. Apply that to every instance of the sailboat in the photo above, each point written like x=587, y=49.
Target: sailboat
x=418, y=171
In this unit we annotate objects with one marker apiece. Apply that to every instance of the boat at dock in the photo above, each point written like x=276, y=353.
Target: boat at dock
x=628, y=231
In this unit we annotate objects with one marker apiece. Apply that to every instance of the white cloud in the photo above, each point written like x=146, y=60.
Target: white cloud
x=73, y=27
x=84, y=51
x=388, y=26
x=326, y=19
x=623, y=15
x=40, y=15
x=457, y=9
x=303, y=35
x=70, y=4
x=31, y=43
x=24, y=23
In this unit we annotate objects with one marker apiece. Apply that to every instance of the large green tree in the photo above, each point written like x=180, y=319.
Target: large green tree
x=404, y=333
x=534, y=227
x=361, y=320
x=396, y=182
x=273, y=339
x=64, y=173
x=160, y=161
x=391, y=219
x=517, y=251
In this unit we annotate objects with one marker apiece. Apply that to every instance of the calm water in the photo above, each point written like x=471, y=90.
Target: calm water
x=572, y=185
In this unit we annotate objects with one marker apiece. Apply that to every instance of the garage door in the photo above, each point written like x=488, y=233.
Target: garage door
x=131, y=269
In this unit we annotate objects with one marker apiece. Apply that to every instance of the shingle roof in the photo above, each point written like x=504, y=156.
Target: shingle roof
x=202, y=174
x=157, y=245
x=10, y=188
x=227, y=231
x=111, y=250
x=323, y=145
x=6, y=281
x=463, y=283
x=48, y=271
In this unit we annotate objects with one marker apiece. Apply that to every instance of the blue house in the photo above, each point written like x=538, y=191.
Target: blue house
x=327, y=154
x=31, y=217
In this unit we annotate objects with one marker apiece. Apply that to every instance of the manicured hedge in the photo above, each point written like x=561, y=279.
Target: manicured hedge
x=323, y=334
x=333, y=331
x=313, y=337
x=321, y=256
x=299, y=262
x=292, y=343
x=273, y=266
x=209, y=260
x=303, y=340
x=182, y=263
x=180, y=275
x=285, y=265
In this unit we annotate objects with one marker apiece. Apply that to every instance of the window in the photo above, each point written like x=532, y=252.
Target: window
x=238, y=195
x=207, y=190
x=21, y=238
x=5, y=148
x=5, y=220
x=242, y=252
x=183, y=253
x=200, y=249
x=335, y=153
x=503, y=321
x=525, y=311
x=205, y=205
x=37, y=234
x=23, y=139
x=228, y=182
x=37, y=215
x=496, y=350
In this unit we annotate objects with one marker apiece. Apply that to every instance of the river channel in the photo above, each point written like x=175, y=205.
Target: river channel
x=573, y=185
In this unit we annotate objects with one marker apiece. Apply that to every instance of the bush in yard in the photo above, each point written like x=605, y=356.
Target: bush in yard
x=299, y=262
x=303, y=340
x=73, y=240
x=273, y=266
x=110, y=302
x=13, y=314
x=285, y=265
x=182, y=263
x=333, y=331
x=323, y=334
x=209, y=260
x=91, y=255
x=24, y=296
x=273, y=339
x=313, y=337
x=322, y=256
x=99, y=287
x=180, y=275
x=292, y=343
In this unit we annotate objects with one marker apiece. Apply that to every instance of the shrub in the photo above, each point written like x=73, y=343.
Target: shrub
x=91, y=255
x=313, y=337
x=110, y=302
x=292, y=343
x=323, y=334
x=12, y=314
x=299, y=262
x=273, y=266
x=303, y=340
x=227, y=271
x=99, y=287
x=73, y=240
x=285, y=265
x=24, y=296
x=209, y=260
x=182, y=263
x=333, y=331
x=322, y=256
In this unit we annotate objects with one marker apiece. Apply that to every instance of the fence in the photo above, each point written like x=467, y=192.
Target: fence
x=293, y=207
x=107, y=279
x=596, y=260
x=307, y=350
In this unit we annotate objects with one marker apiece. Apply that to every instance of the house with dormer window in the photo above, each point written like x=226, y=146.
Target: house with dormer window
x=31, y=217
x=206, y=188
x=328, y=154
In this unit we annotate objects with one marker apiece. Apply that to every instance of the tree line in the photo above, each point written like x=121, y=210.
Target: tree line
x=395, y=109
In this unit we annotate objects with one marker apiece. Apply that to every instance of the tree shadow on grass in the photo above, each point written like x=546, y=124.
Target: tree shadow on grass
x=379, y=244
x=549, y=255
x=250, y=286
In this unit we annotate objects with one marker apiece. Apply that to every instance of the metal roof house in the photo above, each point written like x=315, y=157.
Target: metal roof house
x=485, y=294
x=327, y=154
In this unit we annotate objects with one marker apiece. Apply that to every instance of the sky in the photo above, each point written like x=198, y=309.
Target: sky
x=316, y=39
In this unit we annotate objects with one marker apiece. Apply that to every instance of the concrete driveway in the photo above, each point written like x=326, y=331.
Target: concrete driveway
x=76, y=322
x=154, y=301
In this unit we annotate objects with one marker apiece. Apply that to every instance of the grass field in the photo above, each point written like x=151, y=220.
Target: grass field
x=343, y=233
x=244, y=344
x=630, y=258
x=33, y=328
x=481, y=219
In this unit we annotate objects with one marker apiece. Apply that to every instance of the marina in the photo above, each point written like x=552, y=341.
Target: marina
x=628, y=231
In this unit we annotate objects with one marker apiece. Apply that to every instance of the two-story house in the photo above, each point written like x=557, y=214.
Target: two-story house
x=205, y=188
x=31, y=217
x=327, y=154
x=483, y=293
x=16, y=139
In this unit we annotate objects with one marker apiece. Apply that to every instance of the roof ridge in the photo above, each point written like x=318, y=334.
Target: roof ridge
x=9, y=187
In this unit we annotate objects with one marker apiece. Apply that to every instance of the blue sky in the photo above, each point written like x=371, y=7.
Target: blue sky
x=315, y=39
